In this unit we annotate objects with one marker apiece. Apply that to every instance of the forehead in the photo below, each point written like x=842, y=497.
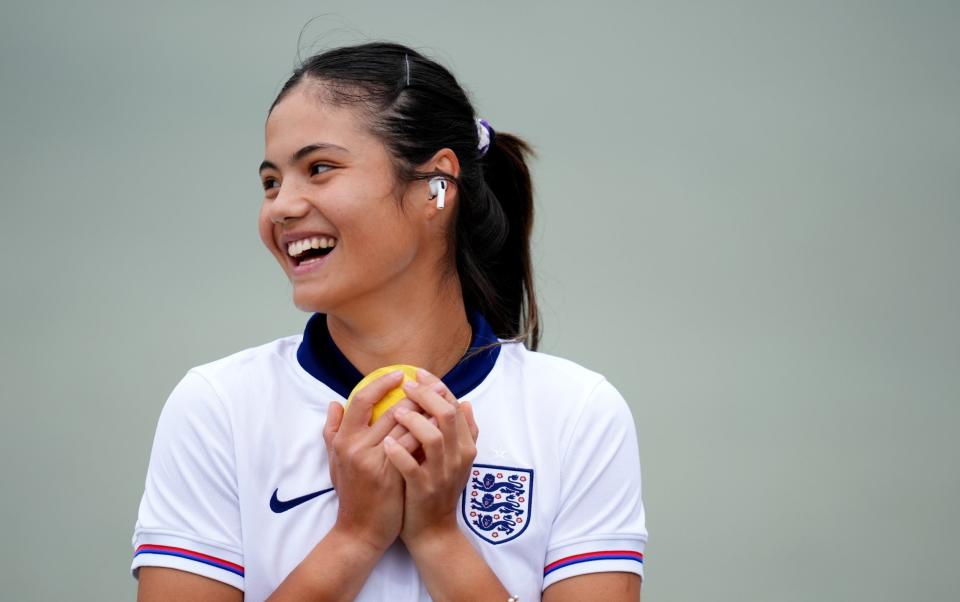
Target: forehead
x=303, y=117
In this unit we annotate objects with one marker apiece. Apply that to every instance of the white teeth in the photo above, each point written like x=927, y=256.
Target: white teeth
x=316, y=242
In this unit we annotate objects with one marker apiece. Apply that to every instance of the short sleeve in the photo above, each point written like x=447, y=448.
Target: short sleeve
x=600, y=525
x=189, y=516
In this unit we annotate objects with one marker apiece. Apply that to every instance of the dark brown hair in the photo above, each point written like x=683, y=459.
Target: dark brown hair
x=417, y=108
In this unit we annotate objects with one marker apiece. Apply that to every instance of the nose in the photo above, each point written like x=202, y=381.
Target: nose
x=289, y=204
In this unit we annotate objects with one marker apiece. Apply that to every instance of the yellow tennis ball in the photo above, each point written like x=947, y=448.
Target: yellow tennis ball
x=392, y=396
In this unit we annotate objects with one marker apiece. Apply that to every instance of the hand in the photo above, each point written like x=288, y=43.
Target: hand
x=448, y=441
x=369, y=488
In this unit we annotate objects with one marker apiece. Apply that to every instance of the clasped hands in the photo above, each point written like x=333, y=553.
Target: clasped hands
x=403, y=475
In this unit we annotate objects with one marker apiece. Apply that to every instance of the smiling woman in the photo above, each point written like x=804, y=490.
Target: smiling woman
x=403, y=223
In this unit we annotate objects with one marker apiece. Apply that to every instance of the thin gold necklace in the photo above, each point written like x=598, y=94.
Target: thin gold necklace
x=469, y=340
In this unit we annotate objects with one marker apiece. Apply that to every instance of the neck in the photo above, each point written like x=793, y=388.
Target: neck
x=430, y=331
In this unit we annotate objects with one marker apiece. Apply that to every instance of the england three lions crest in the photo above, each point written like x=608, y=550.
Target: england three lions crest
x=497, y=501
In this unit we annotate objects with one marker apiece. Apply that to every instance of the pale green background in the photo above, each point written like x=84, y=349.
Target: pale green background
x=749, y=220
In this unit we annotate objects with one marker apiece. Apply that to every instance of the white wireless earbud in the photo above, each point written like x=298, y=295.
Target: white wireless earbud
x=438, y=188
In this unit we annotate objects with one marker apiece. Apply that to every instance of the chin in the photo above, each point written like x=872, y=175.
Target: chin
x=314, y=298
x=309, y=303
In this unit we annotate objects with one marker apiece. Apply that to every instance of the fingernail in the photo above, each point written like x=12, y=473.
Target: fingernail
x=401, y=410
x=389, y=441
x=409, y=385
x=421, y=373
x=396, y=373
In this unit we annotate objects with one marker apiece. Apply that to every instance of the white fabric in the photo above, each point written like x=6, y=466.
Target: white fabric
x=235, y=430
x=483, y=135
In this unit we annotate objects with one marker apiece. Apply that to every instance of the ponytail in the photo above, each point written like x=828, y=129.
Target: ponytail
x=493, y=243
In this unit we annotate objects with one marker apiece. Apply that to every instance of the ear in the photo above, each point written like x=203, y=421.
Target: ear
x=444, y=161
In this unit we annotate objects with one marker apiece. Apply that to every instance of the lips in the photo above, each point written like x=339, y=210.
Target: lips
x=308, y=265
x=312, y=246
x=306, y=251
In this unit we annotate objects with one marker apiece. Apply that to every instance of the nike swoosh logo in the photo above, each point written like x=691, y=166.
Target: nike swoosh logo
x=279, y=506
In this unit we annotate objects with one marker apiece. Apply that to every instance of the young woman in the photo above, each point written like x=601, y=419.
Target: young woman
x=403, y=224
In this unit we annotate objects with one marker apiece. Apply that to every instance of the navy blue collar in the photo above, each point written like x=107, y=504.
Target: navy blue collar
x=319, y=356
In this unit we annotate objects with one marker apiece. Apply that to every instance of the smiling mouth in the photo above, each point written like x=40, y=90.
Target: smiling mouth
x=310, y=249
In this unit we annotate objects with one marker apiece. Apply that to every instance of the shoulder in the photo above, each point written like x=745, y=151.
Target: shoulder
x=551, y=371
x=541, y=366
x=566, y=386
x=260, y=364
x=257, y=357
x=214, y=387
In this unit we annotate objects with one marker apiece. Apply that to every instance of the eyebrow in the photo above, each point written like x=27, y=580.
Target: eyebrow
x=303, y=152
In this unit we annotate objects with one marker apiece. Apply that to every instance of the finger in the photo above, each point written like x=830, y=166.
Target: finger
x=361, y=407
x=429, y=436
x=424, y=376
x=440, y=387
x=467, y=409
x=401, y=459
x=436, y=406
x=387, y=424
x=397, y=431
x=428, y=378
x=464, y=436
x=468, y=431
x=406, y=438
x=334, y=417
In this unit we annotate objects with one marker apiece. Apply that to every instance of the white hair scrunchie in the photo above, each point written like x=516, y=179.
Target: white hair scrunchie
x=485, y=134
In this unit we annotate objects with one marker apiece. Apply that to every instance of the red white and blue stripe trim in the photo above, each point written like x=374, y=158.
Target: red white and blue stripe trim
x=226, y=565
x=590, y=556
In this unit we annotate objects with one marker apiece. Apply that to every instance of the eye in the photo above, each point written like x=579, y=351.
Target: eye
x=269, y=183
x=319, y=168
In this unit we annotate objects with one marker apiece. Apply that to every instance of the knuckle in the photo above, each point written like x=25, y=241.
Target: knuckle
x=365, y=397
x=341, y=446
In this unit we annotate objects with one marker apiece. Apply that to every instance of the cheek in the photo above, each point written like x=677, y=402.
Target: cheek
x=381, y=241
x=265, y=227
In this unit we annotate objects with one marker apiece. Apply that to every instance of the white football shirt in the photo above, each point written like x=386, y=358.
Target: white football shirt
x=238, y=486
